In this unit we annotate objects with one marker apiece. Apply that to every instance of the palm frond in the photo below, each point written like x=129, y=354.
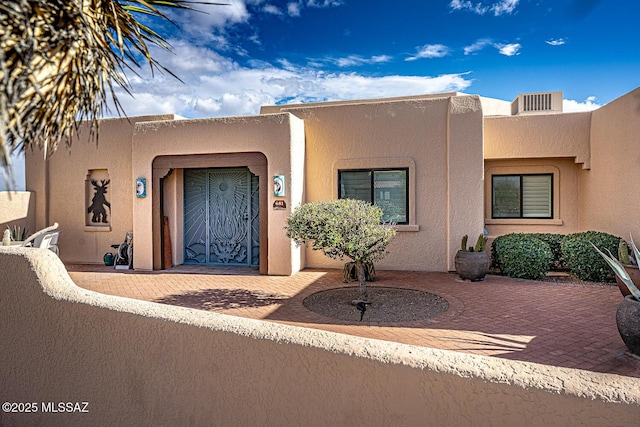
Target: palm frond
x=58, y=60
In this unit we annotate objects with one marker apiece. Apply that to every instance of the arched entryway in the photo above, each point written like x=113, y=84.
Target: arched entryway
x=216, y=209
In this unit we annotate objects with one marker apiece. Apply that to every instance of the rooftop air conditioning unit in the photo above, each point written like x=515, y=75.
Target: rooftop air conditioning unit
x=537, y=103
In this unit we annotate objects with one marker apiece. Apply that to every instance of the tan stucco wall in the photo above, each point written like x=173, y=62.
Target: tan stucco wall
x=609, y=191
x=17, y=208
x=439, y=139
x=595, y=194
x=442, y=139
x=279, y=137
x=59, y=186
x=539, y=136
x=566, y=212
x=495, y=107
x=140, y=363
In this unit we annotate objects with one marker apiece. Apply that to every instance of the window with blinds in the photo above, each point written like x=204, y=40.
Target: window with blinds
x=522, y=196
x=386, y=188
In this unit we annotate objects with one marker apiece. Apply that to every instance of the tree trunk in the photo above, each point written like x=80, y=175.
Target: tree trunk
x=362, y=280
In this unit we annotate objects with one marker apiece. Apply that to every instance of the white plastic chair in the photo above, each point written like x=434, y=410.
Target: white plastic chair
x=48, y=241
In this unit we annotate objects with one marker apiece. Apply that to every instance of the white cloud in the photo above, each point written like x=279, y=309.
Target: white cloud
x=467, y=5
x=352, y=60
x=477, y=46
x=353, y=86
x=507, y=49
x=504, y=6
x=217, y=86
x=324, y=3
x=272, y=10
x=498, y=8
x=217, y=17
x=293, y=9
x=510, y=49
x=430, y=51
x=572, y=106
x=555, y=42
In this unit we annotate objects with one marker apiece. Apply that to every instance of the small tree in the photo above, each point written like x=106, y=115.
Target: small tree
x=339, y=228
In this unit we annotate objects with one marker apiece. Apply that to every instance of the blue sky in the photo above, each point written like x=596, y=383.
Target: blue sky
x=249, y=53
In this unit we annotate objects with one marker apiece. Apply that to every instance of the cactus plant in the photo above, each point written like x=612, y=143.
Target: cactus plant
x=18, y=233
x=623, y=252
x=472, y=262
x=463, y=247
x=480, y=245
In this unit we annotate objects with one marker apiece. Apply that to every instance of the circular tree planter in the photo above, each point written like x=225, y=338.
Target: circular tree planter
x=472, y=265
x=628, y=321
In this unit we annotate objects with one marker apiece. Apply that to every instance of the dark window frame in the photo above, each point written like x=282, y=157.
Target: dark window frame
x=372, y=195
x=521, y=176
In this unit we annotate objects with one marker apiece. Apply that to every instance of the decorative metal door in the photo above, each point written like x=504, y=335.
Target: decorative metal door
x=221, y=217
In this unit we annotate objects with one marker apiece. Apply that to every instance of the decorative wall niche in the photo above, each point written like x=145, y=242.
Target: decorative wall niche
x=97, y=206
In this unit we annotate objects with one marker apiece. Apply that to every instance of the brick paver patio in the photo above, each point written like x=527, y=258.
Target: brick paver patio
x=559, y=324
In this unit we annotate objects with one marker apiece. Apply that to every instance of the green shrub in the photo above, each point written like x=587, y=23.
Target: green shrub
x=521, y=255
x=555, y=244
x=583, y=261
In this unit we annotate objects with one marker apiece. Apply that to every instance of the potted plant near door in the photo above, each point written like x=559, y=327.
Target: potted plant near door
x=17, y=235
x=630, y=265
x=472, y=262
x=628, y=313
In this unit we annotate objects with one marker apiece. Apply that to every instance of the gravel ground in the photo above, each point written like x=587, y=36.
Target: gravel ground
x=387, y=304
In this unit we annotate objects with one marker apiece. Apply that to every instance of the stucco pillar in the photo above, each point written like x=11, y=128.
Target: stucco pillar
x=284, y=257
x=465, y=173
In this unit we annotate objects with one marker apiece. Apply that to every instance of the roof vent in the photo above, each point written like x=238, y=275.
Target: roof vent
x=537, y=103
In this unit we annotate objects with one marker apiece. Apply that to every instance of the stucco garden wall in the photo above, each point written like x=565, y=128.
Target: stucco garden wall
x=140, y=363
x=17, y=208
x=438, y=139
x=609, y=191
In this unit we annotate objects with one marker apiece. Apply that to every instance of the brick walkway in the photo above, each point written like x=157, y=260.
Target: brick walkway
x=560, y=324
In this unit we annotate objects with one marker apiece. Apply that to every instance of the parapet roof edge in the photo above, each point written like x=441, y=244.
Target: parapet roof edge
x=271, y=108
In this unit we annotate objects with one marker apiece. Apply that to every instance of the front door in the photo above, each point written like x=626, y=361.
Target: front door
x=221, y=217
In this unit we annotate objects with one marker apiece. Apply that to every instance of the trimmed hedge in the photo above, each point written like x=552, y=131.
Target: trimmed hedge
x=583, y=261
x=555, y=244
x=522, y=256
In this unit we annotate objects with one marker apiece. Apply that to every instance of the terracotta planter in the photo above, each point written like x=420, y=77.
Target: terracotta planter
x=472, y=265
x=634, y=273
x=628, y=321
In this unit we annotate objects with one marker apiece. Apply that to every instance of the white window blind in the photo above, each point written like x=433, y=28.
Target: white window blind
x=536, y=196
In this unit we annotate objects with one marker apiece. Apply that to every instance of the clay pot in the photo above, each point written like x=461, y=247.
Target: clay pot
x=472, y=265
x=634, y=273
x=628, y=321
